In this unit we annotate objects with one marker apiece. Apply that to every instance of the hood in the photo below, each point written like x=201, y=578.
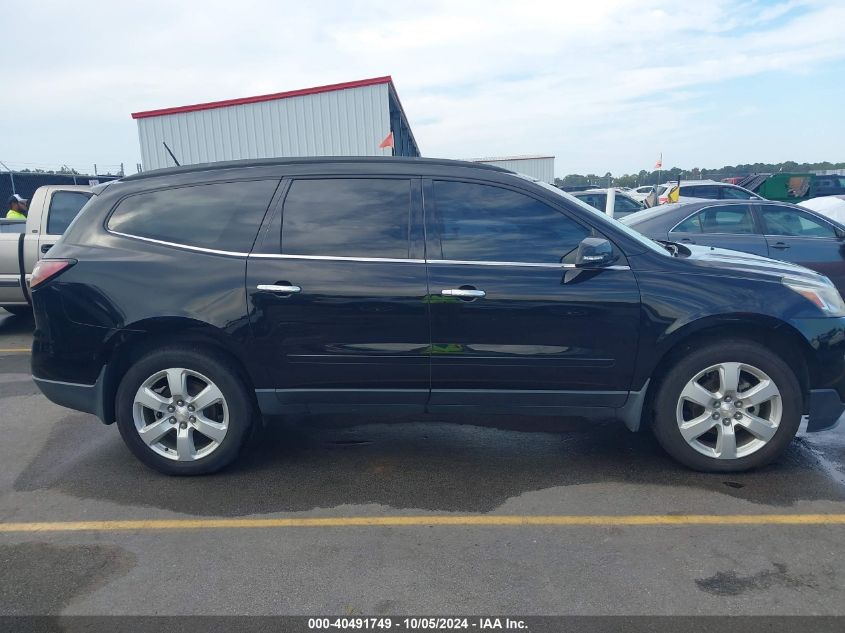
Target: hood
x=747, y=264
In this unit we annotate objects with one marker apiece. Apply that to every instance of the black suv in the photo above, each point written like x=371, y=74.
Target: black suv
x=183, y=303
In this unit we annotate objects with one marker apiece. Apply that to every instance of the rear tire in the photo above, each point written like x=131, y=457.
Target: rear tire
x=729, y=406
x=183, y=411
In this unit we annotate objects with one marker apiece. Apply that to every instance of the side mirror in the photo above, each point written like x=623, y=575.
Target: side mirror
x=594, y=252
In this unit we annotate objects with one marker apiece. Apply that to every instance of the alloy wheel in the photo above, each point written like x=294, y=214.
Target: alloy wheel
x=729, y=410
x=180, y=414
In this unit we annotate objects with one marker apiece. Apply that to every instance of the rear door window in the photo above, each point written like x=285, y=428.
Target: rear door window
x=347, y=217
x=711, y=192
x=786, y=221
x=691, y=225
x=732, y=193
x=221, y=216
x=736, y=219
x=64, y=207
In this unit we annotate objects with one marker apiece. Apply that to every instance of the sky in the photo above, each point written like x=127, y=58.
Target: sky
x=604, y=85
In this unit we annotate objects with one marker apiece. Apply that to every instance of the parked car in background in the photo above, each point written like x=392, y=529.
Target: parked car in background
x=184, y=302
x=641, y=193
x=624, y=204
x=709, y=190
x=832, y=207
x=24, y=242
x=830, y=185
x=772, y=229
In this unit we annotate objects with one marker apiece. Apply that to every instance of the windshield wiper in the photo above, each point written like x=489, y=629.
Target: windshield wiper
x=669, y=246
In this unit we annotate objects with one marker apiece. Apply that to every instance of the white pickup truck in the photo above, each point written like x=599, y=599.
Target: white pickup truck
x=24, y=242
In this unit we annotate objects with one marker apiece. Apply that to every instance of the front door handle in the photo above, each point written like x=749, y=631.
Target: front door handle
x=281, y=289
x=687, y=240
x=470, y=293
x=780, y=245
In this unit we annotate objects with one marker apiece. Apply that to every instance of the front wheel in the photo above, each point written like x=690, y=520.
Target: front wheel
x=183, y=412
x=729, y=406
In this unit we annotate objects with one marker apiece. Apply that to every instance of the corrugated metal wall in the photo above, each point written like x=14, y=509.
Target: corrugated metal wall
x=349, y=122
x=541, y=168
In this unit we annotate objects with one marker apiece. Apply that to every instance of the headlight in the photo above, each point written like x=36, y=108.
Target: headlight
x=824, y=296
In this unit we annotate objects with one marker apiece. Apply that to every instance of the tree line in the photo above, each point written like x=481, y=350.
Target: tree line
x=645, y=177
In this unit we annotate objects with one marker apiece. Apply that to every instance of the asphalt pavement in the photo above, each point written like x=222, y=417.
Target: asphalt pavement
x=320, y=518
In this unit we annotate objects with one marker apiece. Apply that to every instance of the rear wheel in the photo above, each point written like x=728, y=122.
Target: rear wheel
x=729, y=406
x=183, y=412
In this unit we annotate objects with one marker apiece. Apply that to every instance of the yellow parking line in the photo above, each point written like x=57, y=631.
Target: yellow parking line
x=22, y=350
x=435, y=520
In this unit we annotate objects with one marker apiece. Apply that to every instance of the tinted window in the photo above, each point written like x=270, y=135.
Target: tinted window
x=486, y=223
x=733, y=219
x=597, y=201
x=64, y=206
x=785, y=221
x=223, y=216
x=701, y=191
x=626, y=204
x=735, y=194
x=347, y=218
x=691, y=225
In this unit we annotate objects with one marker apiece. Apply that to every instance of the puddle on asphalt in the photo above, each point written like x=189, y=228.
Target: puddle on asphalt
x=414, y=464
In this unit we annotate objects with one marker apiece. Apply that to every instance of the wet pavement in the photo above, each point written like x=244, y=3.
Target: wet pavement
x=59, y=465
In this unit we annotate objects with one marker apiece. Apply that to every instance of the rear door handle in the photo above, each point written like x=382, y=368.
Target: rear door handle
x=46, y=247
x=472, y=293
x=780, y=245
x=281, y=289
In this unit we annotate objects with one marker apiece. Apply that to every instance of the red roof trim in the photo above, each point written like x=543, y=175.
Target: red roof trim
x=271, y=97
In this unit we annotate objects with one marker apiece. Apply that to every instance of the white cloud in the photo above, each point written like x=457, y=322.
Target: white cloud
x=603, y=85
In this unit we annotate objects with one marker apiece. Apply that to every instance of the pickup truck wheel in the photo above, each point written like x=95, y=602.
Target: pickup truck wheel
x=727, y=407
x=20, y=311
x=183, y=412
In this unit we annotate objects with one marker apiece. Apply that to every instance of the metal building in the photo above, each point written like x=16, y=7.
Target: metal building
x=348, y=119
x=539, y=167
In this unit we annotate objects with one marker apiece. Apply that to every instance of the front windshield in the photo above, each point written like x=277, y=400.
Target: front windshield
x=627, y=230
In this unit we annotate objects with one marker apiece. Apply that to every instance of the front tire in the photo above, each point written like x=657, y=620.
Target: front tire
x=183, y=412
x=728, y=406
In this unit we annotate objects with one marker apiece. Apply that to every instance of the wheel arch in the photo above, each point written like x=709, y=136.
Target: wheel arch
x=776, y=335
x=133, y=342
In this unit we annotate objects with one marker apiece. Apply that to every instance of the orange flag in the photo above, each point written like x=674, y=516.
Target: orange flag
x=387, y=142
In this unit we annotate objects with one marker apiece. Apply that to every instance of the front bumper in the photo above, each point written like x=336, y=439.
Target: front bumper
x=826, y=364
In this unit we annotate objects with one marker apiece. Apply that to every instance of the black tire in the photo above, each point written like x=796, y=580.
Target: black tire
x=665, y=425
x=219, y=370
x=21, y=311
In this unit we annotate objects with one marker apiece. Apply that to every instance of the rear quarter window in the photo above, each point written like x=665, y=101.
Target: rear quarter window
x=221, y=216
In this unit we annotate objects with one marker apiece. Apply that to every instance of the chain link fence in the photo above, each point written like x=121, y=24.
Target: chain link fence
x=25, y=180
